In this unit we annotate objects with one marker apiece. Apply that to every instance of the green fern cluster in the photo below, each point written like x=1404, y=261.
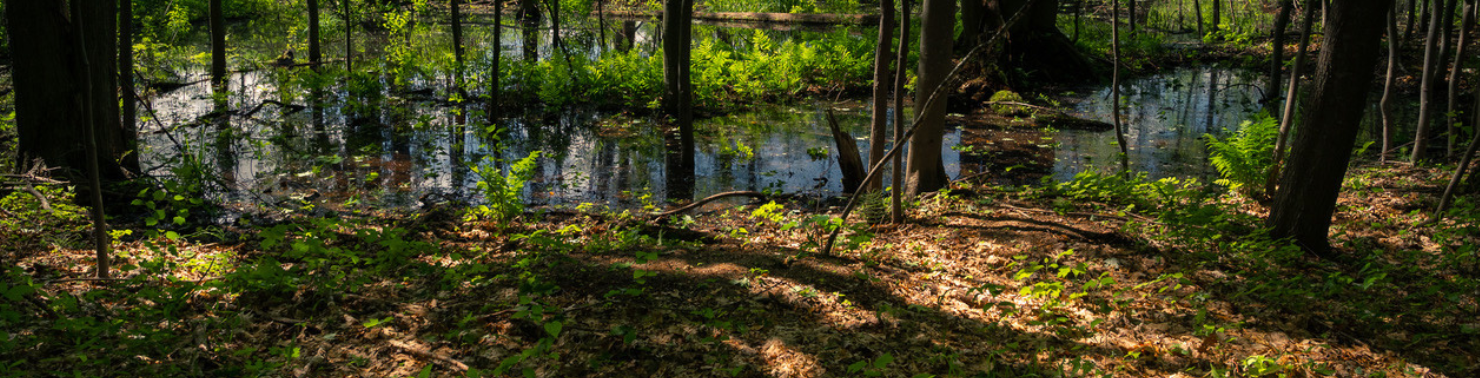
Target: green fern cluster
x=502, y=190
x=1244, y=159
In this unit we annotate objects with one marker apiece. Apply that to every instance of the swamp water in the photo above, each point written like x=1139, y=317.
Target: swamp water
x=395, y=149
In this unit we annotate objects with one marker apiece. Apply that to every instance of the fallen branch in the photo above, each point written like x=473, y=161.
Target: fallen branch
x=709, y=199
x=425, y=353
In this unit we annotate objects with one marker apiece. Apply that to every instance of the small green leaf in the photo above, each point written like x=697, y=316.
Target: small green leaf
x=857, y=366
x=553, y=328
x=883, y=361
x=172, y=235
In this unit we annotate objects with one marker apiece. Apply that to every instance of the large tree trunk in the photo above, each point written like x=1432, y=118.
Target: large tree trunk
x=883, y=56
x=926, y=171
x=1318, y=160
x=1035, y=44
x=498, y=51
x=1426, y=83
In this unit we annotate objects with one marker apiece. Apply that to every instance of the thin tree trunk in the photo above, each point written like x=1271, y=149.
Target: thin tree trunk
x=1288, y=117
x=1413, y=19
x=349, y=50
x=1197, y=10
x=1217, y=17
x=1277, y=51
x=126, y=84
x=218, y=46
x=101, y=240
x=498, y=49
x=883, y=56
x=1453, y=91
x=896, y=199
x=1130, y=14
x=1426, y=84
x=315, y=56
x=1385, y=106
x=1125, y=157
x=457, y=45
x=1078, y=11
x=1459, y=171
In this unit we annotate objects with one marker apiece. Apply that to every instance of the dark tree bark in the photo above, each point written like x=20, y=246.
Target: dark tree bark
x=1130, y=14
x=1036, y=44
x=926, y=171
x=1459, y=171
x=678, y=91
x=896, y=197
x=972, y=27
x=1452, y=92
x=1287, y=119
x=126, y=89
x=1277, y=53
x=1197, y=10
x=218, y=46
x=457, y=45
x=629, y=36
x=1217, y=17
x=529, y=14
x=1125, y=156
x=1426, y=84
x=349, y=50
x=494, y=88
x=883, y=56
x=1309, y=187
x=1385, y=106
x=315, y=53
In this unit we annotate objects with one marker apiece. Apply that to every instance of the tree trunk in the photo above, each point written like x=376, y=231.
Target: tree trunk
x=1197, y=10
x=494, y=88
x=1287, y=119
x=218, y=46
x=1308, y=190
x=348, y=46
x=926, y=171
x=1125, y=164
x=529, y=13
x=1277, y=52
x=1426, y=83
x=1217, y=17
x=315, y=55
x=678, y=96
x=883, y=56
x=1451, y=134
x=1385, y=107
x=1130, y=13
x=1459, y=171
x=897, y=181
x=1036, y=42
x=125, y=47
x=457, y=46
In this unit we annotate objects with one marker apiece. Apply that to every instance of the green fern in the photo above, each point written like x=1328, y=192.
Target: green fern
x=1244, y=159
x=502, y=190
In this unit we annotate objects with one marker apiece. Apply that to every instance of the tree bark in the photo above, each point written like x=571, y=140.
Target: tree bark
x=1217, y=17
x=1459, y=170
x=1308, y=190
x=1287, y=119
x=315, y=53
x=218, y=46
x=1277, y=57
x=897, y=181
x=494, y=88
x=883, y=56
x=1125, y=164
x=926, y=171
x=349, y=50
x=1036, y=44
x=1385, y=106
x=1197, y=10
x=678, y=96
x=125, y=47
x=1426, y=84
x=1451, y=134
x=457, y=45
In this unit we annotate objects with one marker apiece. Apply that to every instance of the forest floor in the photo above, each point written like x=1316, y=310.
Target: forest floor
x=1096, y=277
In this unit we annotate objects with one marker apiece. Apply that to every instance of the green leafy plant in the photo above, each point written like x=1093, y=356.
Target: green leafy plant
x=1244, y=159
x=502, y=188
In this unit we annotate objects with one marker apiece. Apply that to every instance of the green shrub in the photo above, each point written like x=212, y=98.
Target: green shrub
x=1244, y=159
x=501, y=189
x=1008, y=96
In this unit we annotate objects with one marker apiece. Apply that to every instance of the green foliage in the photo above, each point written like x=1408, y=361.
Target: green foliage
x=25, y=225
x=502, y=187
x=1008, y=96
x=1244, y=160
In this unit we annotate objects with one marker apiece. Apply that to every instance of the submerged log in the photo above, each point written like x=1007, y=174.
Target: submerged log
x=803, y=18
x=849, y=160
